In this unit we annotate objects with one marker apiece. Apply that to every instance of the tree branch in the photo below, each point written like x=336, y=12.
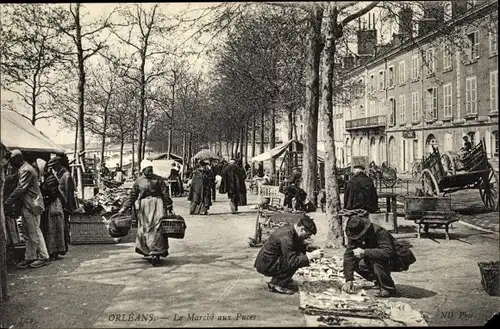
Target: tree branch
x=359, y=13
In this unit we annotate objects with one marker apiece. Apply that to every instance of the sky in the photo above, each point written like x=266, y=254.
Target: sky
x=60, y=135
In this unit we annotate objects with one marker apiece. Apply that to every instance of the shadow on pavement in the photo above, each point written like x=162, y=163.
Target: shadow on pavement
x=185, y=260
x=413, y=292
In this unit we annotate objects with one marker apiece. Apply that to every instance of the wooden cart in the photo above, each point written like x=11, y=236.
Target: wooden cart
x=478, y=173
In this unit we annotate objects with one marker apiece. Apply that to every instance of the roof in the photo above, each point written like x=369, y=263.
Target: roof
x=18, y=133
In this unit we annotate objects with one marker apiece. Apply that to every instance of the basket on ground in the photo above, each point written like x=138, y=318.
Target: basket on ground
x=174, y=226
x=119, y=225
x=89, y=229
x=489, y=277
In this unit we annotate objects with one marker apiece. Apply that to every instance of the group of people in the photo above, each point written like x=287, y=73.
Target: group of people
x=117, y=174
x=371, y=250
x=203, y=186
x=43, y=195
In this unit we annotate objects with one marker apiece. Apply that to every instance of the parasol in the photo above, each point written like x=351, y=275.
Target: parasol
x=205, y=154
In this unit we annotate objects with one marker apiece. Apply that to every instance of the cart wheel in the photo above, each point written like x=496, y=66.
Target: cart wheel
x=429, y=184
x=390, y=178
x=415, y=171
x=488, y=189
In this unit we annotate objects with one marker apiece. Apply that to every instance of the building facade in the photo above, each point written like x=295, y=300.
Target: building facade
x=432, y=90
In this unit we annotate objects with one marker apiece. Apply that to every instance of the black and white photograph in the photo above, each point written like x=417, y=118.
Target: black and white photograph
x=249, y=164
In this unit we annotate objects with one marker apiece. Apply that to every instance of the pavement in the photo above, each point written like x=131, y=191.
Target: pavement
x=209, y=280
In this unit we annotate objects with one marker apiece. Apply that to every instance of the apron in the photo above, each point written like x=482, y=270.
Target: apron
x=150, y=239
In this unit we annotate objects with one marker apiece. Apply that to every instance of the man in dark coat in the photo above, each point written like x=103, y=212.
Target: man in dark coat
x=373, y=253
x=233, y=183
x=289, y=186
x=284, y=252
x=360, y=192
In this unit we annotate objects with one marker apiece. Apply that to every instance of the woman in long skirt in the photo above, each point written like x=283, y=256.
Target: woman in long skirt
x=152, y=202
x=200, y=193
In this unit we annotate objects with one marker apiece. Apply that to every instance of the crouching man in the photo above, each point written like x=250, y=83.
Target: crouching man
x=284, y=252
x=373, y=253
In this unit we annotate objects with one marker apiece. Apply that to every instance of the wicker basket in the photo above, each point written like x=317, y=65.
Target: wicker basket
x=174, y=227
x=489, y=277
x=89, y=229
x=119, y=225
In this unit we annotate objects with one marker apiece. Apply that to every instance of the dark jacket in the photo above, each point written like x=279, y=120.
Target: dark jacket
x=378, y=247
x=283, y=251
x=360, y=193
x=233, y=180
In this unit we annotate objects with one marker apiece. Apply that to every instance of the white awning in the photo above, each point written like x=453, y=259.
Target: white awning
x=272, y=153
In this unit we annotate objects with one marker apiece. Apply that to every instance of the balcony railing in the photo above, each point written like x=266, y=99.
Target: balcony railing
x=369, y=122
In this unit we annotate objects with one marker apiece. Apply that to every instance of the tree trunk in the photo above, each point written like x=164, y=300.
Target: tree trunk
x=33, y=101
x=254, y=127
x=290, y=123
x=184, y=153
x=310, y=157
x=294, y=115
x=104, y=130
x=245, y=144
x=190, y=149
x=272, y=140
x=76, y=140
x=81, y=96
x=142, y=108
x=122, y=144
x=3, y=243
x=262, y=138
x=145, y=141
x=133, y=151
x=335, y=236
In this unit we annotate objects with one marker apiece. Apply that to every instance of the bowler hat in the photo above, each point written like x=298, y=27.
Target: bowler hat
x=308, y=224
x=357, y=226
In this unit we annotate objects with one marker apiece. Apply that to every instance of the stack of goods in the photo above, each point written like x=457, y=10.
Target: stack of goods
x=110, y=183
x=324, y=303
x=108, y=201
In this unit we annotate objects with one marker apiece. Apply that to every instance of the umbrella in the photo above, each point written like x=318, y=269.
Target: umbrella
x=206, y=154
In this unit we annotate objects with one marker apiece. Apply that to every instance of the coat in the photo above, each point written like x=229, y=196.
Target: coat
x=67, y=190
x=27, y=190
x=200, y=189
x=233, y=180
x=360, y=193
x=283, y=251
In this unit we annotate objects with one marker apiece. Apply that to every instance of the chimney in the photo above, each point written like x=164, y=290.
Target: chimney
x=405, y=23
x=458, y=8
x=433, y=18
x=367, y=38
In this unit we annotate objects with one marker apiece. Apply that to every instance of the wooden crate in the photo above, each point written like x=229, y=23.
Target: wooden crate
x=268, y=191
x=89, y=229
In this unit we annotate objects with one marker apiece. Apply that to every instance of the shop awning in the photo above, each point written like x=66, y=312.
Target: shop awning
x=18, y=133
x=272, y=153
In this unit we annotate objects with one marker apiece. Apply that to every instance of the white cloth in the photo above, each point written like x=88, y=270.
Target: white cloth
x=145, y=164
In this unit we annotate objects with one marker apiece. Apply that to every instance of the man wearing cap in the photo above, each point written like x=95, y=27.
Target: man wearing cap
x=284, y=252
x=28, y=192
x=360, y=192
x=233, y=183
x=290, y=185
x=371, y=252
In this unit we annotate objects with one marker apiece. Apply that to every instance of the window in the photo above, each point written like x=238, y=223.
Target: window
x=392, y=119
x=390, y=78
x=415, y=108
x=415, y=73
x=430, y=63
x=473, y=39
x=381, y=81
x=402, y=108
x=372, y=83
x=431, y=104
x=373, y=110
x=402, y=73
x=447, y=100
x=470, y=96
x=494, y=136
x=493, y=42
x=447, y=57
x=494, y=91
x=361, y=111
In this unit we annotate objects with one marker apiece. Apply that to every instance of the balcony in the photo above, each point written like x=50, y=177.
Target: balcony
x=370, y=122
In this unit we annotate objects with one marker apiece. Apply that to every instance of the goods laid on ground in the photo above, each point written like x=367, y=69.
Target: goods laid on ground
x=107, y=201
x=489, y=277
x=325, y=304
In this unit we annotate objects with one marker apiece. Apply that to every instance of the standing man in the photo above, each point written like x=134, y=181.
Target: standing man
x=67, y=191
x=233, y=183
x=360, y=192
x=284, y=252
x=373, y=253
x=31, y=199
x=467, y=145
x=289, y=186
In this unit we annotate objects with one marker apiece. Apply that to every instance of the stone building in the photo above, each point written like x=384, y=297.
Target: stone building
x=432, y=88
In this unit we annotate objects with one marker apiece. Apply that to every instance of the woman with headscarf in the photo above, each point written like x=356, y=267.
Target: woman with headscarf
x=200, y=189
x=152, y=202
x=66, y=190
x=52, y=221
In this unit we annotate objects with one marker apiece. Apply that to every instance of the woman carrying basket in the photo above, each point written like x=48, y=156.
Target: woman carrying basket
x=152, y=202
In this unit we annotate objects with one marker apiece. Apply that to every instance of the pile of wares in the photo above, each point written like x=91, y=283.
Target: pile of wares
x=108, y=201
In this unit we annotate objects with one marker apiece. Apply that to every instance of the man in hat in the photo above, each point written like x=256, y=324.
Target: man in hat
x=31, y=199
x=371, y=252
x=360, y=192
x=284, y=252
x=467, y=145
x=289, y=186
x=233, y=183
